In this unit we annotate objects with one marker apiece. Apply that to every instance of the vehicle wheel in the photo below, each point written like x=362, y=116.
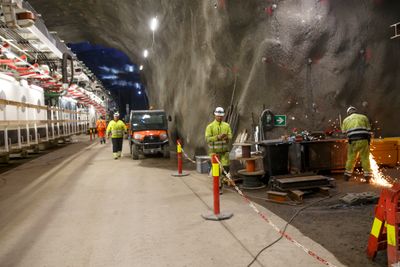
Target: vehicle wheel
x=166, y=152
x=134, y=152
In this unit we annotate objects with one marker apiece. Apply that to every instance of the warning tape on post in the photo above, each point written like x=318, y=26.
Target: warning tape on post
x=187, y=157
x=276, y=228
x=265, y=218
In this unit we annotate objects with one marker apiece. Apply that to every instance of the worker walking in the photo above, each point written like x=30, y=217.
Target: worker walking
x=218, y=134
x=101, y=127
x=357, y=128
x=116, y=128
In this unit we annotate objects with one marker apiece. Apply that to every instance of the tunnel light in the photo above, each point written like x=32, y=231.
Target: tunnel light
x=141, y=67
x=154, y=24
x=140, y=92
x=145, y=53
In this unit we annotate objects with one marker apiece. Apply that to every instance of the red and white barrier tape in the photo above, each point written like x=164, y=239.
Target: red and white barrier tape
x=276, y=228
x=187, y=157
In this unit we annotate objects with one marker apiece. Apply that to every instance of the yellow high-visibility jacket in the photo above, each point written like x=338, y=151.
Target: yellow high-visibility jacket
x=357, y=127
x=117, y=129
x=212, y=131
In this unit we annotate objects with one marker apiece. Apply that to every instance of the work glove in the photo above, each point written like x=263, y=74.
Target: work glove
x=222, y=137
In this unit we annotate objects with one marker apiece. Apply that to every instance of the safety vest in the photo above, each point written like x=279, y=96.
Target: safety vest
x=357, y=127
x=117, y=129
x=212, y=131
x=101, y=125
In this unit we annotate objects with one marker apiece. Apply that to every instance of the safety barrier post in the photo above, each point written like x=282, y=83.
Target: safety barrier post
x=217, y=215
x=215, y=174
x=180, y=164
x=90, y=133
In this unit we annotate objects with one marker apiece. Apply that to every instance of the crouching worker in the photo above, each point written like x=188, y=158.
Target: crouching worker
x=116, y=128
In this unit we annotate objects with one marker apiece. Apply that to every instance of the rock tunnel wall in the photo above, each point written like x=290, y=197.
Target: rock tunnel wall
x=308, y=59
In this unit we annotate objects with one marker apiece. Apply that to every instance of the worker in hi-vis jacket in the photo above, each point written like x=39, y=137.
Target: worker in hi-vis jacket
x=218, y=135
x=116, y=128
x=357, y=128
x=101, y=126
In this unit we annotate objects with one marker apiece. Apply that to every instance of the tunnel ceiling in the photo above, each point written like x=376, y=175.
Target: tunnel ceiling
x=117, y=73
x=307, y=59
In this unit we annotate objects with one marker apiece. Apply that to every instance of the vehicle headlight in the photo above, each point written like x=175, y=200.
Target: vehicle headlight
x=163, y=136
x=138, y=136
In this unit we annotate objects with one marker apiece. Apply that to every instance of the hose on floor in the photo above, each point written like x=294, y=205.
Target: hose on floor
x=287, y=224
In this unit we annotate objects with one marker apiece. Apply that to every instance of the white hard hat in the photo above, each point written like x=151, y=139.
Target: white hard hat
x=116, y=114
x=351, y=109
x=219, y=112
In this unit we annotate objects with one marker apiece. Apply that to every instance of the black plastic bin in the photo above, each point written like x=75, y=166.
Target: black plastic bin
x=276, y=157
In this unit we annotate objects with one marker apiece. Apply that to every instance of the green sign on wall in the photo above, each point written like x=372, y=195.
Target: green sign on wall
x=280, y=120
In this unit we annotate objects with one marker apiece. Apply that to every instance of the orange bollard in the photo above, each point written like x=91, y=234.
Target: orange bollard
x=216, y=215
x=180, y=163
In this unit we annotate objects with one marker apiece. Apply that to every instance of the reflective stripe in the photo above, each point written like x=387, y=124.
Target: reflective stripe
x=218, y=146
x=357, y=132
x=391, y=235
x=376, y=227
x=357, y=129
x=117, y=132
x=179, y=148
x=215, y=169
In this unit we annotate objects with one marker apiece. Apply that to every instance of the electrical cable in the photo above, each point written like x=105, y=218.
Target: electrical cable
x=286, y=225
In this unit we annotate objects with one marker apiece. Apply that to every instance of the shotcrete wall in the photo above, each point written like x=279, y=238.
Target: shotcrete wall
x=308, y=59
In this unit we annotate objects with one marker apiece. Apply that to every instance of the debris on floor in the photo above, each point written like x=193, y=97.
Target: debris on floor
x=360, y=198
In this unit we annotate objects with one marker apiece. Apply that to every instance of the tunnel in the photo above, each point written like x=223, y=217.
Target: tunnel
x=199, y=133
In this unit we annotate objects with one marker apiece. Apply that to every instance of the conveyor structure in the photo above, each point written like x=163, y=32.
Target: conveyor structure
x=46, y=94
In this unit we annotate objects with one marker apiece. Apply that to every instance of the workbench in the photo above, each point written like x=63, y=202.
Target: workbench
x=326, y=154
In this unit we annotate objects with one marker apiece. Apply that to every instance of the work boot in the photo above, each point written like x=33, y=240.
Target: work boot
x=115, y=155
x=367, y=179
x=119, y=154
x=346, y=177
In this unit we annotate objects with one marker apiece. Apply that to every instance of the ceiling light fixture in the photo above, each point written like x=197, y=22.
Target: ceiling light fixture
x=154, y=24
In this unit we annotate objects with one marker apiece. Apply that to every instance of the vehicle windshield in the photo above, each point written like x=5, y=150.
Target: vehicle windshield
x=148, y=121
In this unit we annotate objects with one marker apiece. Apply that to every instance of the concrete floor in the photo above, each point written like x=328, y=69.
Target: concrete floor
x=77, y=206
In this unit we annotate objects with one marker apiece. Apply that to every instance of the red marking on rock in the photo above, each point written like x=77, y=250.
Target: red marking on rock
x=368, y=54
x=221, y=4
x=324, y=2
x=269, y=10
x=316, y=59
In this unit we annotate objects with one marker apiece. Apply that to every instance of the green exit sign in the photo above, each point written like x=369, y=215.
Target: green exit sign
x=280, y=120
